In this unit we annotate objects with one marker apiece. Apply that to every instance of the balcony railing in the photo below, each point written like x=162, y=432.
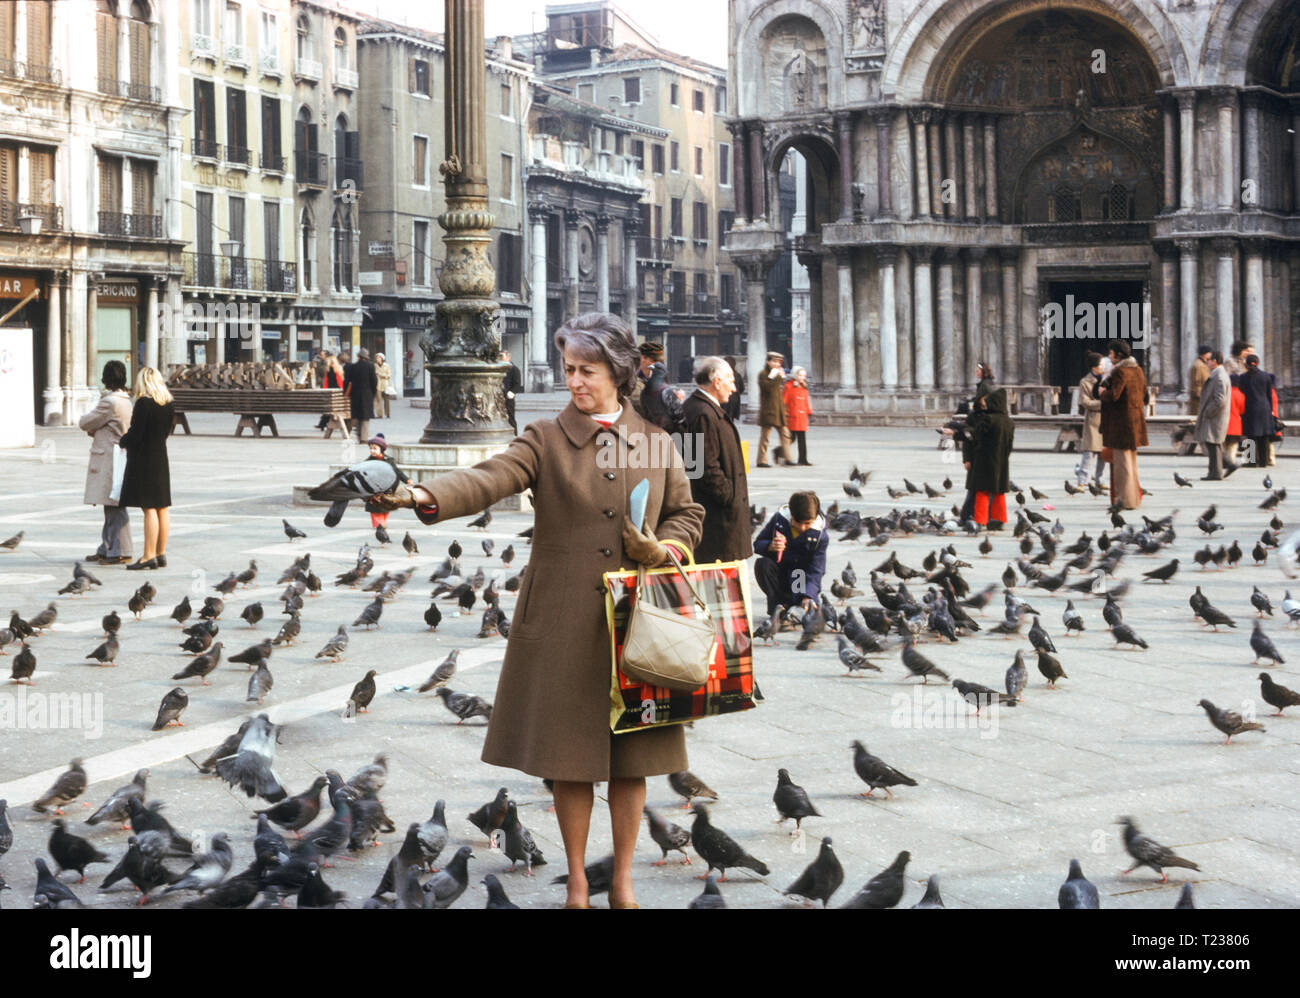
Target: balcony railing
x=130, y=89
x=212, y=270
x=205, y=148
x=273, y=163
x=237, y=55
x=268, y=64
x=346, y=170
x=51, y=215
x=307, y=69
x=34, y=71
x=204, y=45
x=655, y=250
x=311, y=168
x=704, y=304
x=116, y=223
x=236, y=154
x=346, y=79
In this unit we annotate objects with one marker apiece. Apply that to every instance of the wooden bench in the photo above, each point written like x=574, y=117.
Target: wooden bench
x=1042, y=400
x=257, y=409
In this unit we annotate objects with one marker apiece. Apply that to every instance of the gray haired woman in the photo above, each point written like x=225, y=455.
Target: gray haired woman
x=106, y=423
x=550, y=717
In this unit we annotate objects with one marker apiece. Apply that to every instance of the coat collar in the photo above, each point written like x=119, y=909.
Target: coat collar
x=1127, y=362
x=581, y=428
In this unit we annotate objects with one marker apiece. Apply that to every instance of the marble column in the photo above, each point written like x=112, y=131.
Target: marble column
x=1169, y=114
x=151, y=329
x=572, y=216
x=920, y=117
x=1187, y=150
x=1225, y=311
x=1252, y=196
x=923, y=309
x=848, y=374
x=52, y=396
x=755, y=269
x=971, y=202
x=631, y=293
x=946, y=337
x=217, y=328
x=757, y=175
x=1008, y=346
x=819, y=361
x=79, y=392
x=1295, y=155
x=602, y=262
x=952, y=172
x=934, y=146
x=92, y=327
x=990, y=169
x=1169, y=325
x=885, y=259
x=884, y=199
x=1254, y=293
x=539, y=368
x=974, y=343
x=1188, y=286
x=844, y=144
x=739, y=170
x=1227, y=149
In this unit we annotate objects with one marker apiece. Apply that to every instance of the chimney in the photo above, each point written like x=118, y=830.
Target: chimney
x=504, y=47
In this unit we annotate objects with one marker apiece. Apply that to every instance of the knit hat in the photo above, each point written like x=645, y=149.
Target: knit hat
x=378, y=441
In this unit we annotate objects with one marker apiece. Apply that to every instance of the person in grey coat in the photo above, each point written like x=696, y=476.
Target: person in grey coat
x=1090, y=438
x=106, y=423
x=361, y=385
x=1213, y=414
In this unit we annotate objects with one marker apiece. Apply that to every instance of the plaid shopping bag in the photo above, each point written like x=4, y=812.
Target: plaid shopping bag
x=635, y=706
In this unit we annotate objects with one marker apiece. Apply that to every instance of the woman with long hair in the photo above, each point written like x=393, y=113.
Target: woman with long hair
x=147, y=481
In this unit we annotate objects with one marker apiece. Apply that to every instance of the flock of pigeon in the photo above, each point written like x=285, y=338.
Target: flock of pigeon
x=934, y=605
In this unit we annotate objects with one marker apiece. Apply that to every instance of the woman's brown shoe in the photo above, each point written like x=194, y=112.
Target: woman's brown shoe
x=573, y=905
x=624, y=904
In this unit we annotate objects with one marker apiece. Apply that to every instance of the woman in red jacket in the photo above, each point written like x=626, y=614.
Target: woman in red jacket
x=798, y=407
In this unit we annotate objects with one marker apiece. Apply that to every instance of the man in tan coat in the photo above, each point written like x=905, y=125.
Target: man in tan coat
x=1212, y=419
x=1124, y=423
x=106, y=422
x=771, y=411
x=1090, y=462
x=1196, y=378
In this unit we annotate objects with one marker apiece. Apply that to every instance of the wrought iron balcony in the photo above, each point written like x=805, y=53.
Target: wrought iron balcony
x=347, y=173
x=34, y=71
x=51, y=215
x=236, y=154
x=130, y=89
x=212, y=270
x=274, y=164
x=116, y=223
x=311, y=168
x=651, y=250
x=204, y=148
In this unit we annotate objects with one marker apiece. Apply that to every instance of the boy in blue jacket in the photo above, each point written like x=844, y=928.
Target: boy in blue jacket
x=791, y=553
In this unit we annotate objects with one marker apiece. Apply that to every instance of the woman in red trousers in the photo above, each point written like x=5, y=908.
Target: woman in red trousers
x=798, y=407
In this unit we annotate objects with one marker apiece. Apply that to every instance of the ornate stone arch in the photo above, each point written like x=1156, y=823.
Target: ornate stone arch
x=940, y=32
x=1090, y=165
x=815, y=141
x=1235, y=31
x=751, y=97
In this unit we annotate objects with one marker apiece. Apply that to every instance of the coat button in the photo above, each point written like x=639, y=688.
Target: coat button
x=610, y=514
x=606, y=441
x=610, y=475
x=607, y=552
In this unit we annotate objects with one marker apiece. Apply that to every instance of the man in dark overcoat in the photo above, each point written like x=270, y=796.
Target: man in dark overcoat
x=716, y=464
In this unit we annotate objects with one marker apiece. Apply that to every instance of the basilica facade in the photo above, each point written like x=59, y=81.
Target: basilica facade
x=1017, y=182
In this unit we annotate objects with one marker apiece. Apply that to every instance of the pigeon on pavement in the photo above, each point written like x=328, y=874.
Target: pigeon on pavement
x=875, y=773
x=668, y=836
x=170, y=710
x=792, y=801
x=1146, y=851
x=1077, y=891
x=1229, y=721
x=718, y=849
x=885, y=889
x=821, y=878
x=1277, y=695
x=70, y=785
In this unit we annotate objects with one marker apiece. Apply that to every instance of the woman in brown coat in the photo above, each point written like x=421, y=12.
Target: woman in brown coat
x=551, y=713
x=106, y=423
x=1124, y=423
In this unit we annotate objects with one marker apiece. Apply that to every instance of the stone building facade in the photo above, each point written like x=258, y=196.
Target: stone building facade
x=971, y=164
x=89, y=148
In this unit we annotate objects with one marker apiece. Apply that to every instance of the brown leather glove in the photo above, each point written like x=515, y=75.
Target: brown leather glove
x=643, y=548
x=403, y=496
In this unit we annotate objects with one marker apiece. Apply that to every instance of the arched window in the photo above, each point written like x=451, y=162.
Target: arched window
x=307, y=255
x=341, y=60
x=106, y=45
x=341, y=247
x=141, y=52
x=1116, y=204
x=1063, y=205
x=306, y=164
x=306, y=42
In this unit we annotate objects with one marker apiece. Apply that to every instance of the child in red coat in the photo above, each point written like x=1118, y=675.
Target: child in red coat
x=798, y=407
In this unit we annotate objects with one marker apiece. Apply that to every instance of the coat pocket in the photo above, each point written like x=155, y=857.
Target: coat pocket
x=543, y=595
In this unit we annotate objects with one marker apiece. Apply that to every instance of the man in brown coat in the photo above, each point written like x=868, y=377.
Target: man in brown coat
x=718, y=481
x=771, y=410
x=1196, y=378
x=1124, y=423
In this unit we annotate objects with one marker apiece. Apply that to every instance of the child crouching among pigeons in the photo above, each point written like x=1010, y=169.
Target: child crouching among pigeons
x=791, y=551
x=379, y=452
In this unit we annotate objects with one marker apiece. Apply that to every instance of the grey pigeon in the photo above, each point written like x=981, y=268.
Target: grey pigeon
x=463, y=705
x=442, y=674
x=444, y=888
x=1263, y=646
x=202, y=665
x=370, y=778
x=710, y=897
x=433, y=834
x=170, y=709
x=106, y=653
x=875, y=773
x=718, y=849
x=1039, y=638
x=1146, y=851
x=690, y=786
x=299, y=811
x=918, y=665
x=492, y=815
x=821, y=878
x=208, y=869
x=1071, y=618
x=70, y=785
x=259, y=684
x=932, y=898
x=6, y=830
x=497, y=898
x=252, y=613
x=792, y=801
x=980, y=696
x=360, y=481
x=250, y=766
x=290, y=531
x=667, y=836
x=289, y=630
x=519, y=844
x=72, y=852
x=1017, y=677
x=851, y=658
x=409, y=855
x=144, y=870
x=599, y=874
x=335, y=646
x=370, y=615
x=885, y=889
x=1077, y=891
x=1125, y=635
x=315, y=893
x=1229, y=721
x=56, y=894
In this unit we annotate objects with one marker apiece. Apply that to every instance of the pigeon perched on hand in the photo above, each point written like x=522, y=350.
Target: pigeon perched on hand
x=1077, y=891
x=821, y=878
x=360, y=481
x=1146, y=851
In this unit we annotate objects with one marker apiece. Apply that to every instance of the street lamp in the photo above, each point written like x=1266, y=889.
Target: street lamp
x=230, y=248
x=30, y=223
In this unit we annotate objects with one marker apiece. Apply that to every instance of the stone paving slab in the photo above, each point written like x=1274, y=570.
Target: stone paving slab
x=998, y=812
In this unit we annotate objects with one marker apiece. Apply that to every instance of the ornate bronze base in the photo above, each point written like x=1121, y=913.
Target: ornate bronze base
x=467, y=396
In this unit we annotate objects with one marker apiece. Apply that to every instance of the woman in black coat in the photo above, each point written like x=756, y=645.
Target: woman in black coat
x=990, y=464
x=1260, y=389
x=147, y=481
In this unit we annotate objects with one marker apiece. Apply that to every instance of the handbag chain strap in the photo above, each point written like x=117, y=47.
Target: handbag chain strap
x=641, y=587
